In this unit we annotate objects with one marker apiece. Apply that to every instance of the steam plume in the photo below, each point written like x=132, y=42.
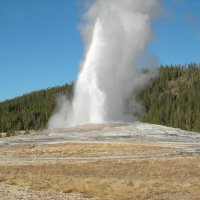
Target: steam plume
x=115, y=33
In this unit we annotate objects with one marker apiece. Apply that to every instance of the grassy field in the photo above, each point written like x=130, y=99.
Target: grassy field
x=156, y=179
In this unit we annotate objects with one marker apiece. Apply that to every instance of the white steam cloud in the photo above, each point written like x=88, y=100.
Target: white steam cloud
x=115, y=33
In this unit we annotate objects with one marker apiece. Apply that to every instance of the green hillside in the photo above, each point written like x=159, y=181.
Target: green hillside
x=31, y=111
x=172, y=99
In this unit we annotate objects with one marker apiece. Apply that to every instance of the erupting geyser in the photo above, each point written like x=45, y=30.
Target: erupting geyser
x=115, y=33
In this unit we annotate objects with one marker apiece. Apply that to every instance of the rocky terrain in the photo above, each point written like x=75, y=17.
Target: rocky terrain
x=186, y=143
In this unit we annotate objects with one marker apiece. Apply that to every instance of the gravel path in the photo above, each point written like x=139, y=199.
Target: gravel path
x=183, y=153
x=11, y=192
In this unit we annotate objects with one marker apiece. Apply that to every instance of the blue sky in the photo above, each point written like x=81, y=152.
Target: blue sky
x=40, y=45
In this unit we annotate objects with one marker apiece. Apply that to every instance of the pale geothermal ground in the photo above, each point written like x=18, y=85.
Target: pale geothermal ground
x=101, y=161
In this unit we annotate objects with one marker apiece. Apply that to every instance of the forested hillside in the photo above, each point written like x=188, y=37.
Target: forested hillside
x=31, y=111
x=172, y=99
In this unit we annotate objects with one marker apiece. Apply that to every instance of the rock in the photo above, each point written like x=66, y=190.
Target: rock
x=3, y=134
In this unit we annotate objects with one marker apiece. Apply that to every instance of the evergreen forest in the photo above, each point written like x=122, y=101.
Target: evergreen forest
x=172, y=99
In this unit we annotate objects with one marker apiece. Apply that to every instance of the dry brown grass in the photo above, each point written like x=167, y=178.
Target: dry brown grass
x=161, y=178
x=82, y=149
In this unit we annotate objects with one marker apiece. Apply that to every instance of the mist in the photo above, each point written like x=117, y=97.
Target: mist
x=115, y=34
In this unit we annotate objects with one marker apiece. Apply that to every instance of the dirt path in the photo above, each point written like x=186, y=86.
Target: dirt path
x=187, y=153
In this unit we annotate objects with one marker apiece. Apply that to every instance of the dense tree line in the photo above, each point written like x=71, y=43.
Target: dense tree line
x=172, y=99
x=31, y=111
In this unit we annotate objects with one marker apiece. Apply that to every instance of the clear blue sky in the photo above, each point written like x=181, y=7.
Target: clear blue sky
x=40, y=45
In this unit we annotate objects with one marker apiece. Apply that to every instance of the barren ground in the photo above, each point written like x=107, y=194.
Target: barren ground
x=107, y=161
